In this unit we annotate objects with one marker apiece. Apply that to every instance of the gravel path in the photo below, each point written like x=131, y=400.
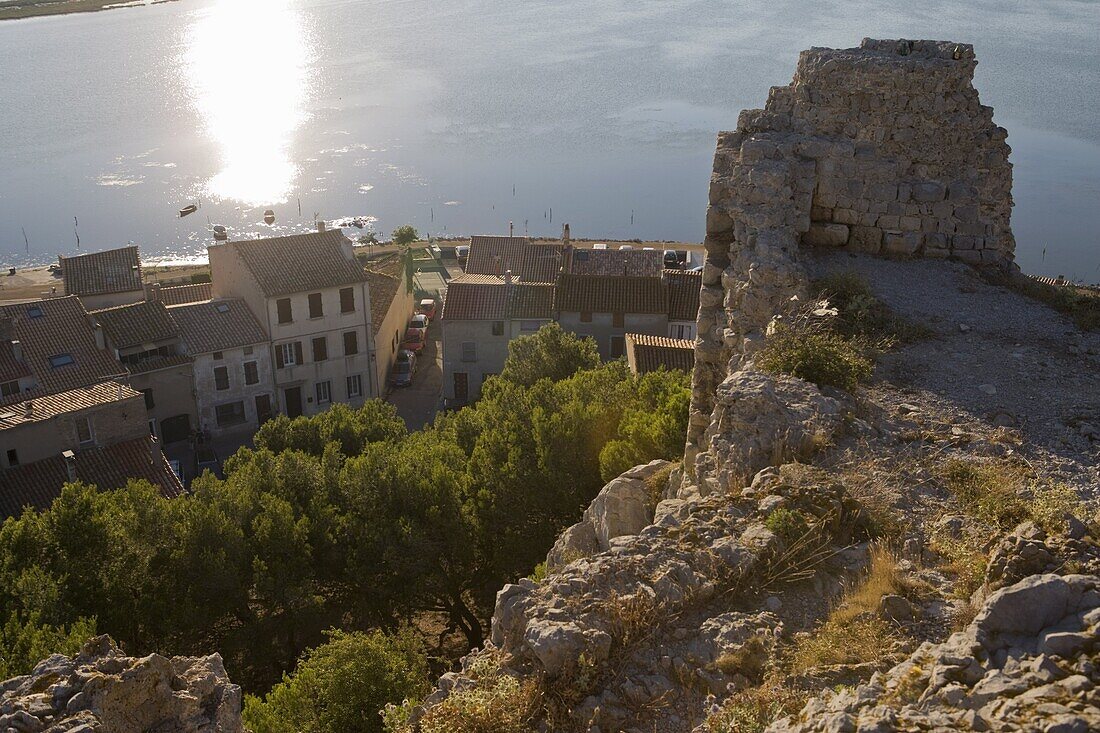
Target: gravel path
x=997, y=357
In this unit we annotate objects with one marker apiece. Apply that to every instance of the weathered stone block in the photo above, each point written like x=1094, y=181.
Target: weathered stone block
x=929, y=192
x=865, y=239
x=901, y=243
x=826, y=235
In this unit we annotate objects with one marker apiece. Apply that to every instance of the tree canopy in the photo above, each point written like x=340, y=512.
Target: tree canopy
x=405, y=234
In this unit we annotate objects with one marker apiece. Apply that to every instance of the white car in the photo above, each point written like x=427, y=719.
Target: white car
x=419, y=321
x=625, y=247
x=599, y=245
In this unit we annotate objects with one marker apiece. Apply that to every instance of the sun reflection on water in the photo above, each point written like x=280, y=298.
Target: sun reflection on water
x=246, y=63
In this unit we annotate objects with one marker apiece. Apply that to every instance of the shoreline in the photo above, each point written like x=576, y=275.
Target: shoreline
x=40, y=9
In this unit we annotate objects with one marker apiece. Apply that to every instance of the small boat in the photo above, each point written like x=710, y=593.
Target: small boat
x=189, y=209
x=220, y=233
x=269, y=217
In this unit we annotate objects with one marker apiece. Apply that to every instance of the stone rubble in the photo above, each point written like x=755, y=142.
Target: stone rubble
x=101, y=690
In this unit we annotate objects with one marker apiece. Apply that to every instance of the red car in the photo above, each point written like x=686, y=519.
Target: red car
x=415, y=338
x=426, y=307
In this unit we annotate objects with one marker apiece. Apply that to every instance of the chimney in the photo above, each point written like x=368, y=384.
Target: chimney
x=17, y=350
x=508, y=277
x=567, y=258
x=100, y=341
x=70, y=464
x=565, y=234
x=154, y=293
x=321, y=226
x=511, y=229
x=28, y=409
x=155, y=453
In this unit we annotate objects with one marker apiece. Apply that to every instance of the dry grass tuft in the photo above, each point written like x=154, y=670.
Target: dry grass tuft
x=748, y=660
x=754, y=709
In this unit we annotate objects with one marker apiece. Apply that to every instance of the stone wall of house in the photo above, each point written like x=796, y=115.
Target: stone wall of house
x=884, y=149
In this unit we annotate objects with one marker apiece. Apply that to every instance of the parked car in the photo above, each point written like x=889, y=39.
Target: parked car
x=403, y=369
x=419, y=321
x=427, y=307
x=462, y=251
x=625, y=247
x=415, y=338
x=599, y=245
x=672, y=260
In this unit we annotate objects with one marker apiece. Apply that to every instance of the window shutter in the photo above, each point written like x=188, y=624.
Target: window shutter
x=279, y=357
x=298, y=353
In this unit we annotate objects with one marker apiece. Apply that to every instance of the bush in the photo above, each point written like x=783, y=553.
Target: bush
x=25, y=641
x=815, y=353
x=860, y=313
x=342, y=685
x=1082, y=305
x=754, y=709
x=991, y=492
x=498, y=703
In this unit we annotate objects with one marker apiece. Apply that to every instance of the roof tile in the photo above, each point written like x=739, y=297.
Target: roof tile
x=649, y=353
x=636, y=262
x=528, y=261
x=137, y=324
x=299, y=262
x=683, y=295
x=611, y=294
x=216, y=325
x=100, y=273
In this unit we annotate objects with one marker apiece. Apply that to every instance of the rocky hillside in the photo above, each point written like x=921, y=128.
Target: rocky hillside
x=103, y=691
x=884, y=518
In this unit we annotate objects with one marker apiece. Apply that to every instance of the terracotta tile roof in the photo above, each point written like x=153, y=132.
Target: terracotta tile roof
x=59, y=327
x=299, y=262
x=383, y=287
x=637, y=262
x=11, y=368
x=181, y=294
x=49, y=406
x=99, y=273
x=38, y=484
x=647, y=353
x=683, y=295
x=533, y=263
x=137, y=324
x=487, y=298
x=611, y=294
x=217, y=325
x=157, y=363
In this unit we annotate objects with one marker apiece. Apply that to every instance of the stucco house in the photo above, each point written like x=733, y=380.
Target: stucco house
x=310, y=295
x=103, y=279
x=481, y=314
x=607, y=307
x=231, y=365
x=147, y=342
x=683, y=303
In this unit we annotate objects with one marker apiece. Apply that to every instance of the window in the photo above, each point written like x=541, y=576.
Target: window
x=528, y=325
x=222, y=307
x=324, y=392
x=355, y=386
x=469, y=351
x=498, y=328
x=7, y=389
x=13, y=458
x=149, y=404
x=218, y=356
x=351, y=343
x=229, y=414
x=617, y=346
x=320, y=348
x=221, y=377
x=251, y=373
x=84, y=434
x=34, y=312
x=617, y=320
x=681, y=331
x=288, y=354
x=61, y=360
x=286, y=314
x=347, y=300
x=315, y=308
x=586, y=316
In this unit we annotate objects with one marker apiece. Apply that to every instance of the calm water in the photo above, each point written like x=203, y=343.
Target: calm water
x=430, y=113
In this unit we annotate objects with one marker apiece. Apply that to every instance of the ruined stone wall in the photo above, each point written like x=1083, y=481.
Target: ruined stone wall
x=884, y=149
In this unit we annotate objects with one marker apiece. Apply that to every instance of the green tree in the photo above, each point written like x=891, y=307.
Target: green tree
x=549, y=353
x=25, y=641
x=405, y=235
x=343, y=685
x=653, y=426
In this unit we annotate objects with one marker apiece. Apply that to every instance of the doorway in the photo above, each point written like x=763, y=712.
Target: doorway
x=292, y=398
x=263, y=408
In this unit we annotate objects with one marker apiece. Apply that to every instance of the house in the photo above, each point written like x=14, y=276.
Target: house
x=232, y=365
x=609, y=262
x=51, y=346
x=481, y=314
x=527, y=261
x=147, y=342
x=311, y=297
x=683, y=303
x=645, y=353
x=607, y=307
x=392, y=305
x=104, y=279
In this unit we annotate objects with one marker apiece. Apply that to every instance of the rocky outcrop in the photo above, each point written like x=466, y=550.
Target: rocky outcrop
x=1027, y=662
x=623, y=507
x=101, y=690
